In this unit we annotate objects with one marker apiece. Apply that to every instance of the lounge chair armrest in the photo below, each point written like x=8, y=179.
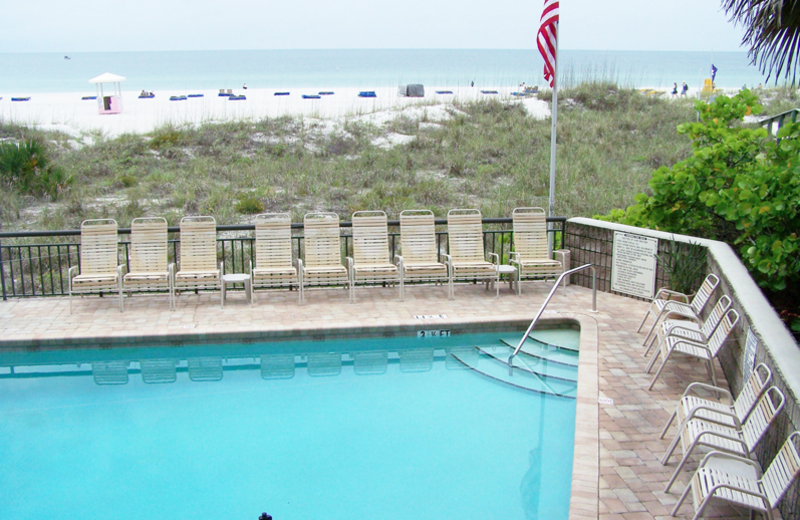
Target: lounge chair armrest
x=495, y=258
x=447, y=258
x=513, y=257
x=350, y=267
x=171, y=270
x=120, y=269
x=665, y=293
x=730, y=456
x=221, y=269
x=300, y=267
x=694, y=411
x=562, y=260
x=73, y=271
x=705, y=386
x=680, y=327
x=251, y=268
x=398, y=260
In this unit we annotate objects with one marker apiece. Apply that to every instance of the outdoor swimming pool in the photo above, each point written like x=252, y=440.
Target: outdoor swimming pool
x=401, y=427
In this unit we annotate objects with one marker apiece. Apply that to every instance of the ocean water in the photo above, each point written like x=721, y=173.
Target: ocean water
x=23, y=73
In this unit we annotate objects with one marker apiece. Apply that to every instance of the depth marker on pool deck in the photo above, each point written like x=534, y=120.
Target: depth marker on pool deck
x=429, y=316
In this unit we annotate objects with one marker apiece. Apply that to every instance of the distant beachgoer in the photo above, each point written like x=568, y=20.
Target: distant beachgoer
x=759, y=86
x=684, y=89
x=674, y=90
x=143, y=93
x=522, y=87
x=244, y=87
x=471, y=83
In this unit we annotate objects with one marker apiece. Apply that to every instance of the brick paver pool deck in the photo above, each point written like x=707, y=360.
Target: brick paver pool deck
x=617, y=473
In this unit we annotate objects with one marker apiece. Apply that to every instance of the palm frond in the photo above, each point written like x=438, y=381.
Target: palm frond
x=772, y=33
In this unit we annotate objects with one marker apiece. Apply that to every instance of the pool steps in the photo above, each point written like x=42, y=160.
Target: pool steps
x=529, y=363
x=498, y=370
x=546, y=351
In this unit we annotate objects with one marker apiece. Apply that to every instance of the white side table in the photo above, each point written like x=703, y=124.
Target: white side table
x=511, y=272
x=237, y=278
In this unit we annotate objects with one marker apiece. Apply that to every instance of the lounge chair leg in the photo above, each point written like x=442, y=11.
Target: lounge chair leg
x=677, y=471
x=671, y=448
x=652, y=361
x=655, y=377
x=680, y=501
x=650, y=346
x=643, y=320
x=671, y=418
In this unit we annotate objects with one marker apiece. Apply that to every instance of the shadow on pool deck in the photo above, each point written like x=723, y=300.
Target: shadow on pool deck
x=631, y=479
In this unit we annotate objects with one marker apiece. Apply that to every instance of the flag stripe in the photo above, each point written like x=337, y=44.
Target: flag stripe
x=546, y=39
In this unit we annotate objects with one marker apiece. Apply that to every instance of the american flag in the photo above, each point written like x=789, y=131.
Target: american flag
x=546, y=39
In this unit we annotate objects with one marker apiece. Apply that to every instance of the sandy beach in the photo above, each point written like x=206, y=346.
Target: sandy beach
x=67, y=112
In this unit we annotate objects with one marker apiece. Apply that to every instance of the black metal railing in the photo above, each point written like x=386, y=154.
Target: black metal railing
x=36, y=263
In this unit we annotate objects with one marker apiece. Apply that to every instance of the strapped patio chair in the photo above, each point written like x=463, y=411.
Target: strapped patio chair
x=466, y=259
x=273, y=267
x=370, y=261
x=531, y=253
x=150, y=270
x=99, y=266
x=707, y=351
x=198, y=261
x=738, y=441
x=419, y=260
x=323, y=254
x=732, y=479
x=690, y=329
x=692, y=405
x=663, y=307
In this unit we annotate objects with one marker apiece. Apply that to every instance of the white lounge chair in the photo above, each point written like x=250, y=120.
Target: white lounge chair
x=735, y=480
x=466, y=259
x=370, y=261
x=323, y=254
x=531, y=253
x=198, y=256
x=663, y=307
x=419, y=260
x=99, y=266
x=150, y=270
x=691, y=405
x=707, y=351
x=273, y=267
x=691, y=330
x=739, y=441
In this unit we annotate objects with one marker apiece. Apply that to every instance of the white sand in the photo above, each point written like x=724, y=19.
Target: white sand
x=68, y=113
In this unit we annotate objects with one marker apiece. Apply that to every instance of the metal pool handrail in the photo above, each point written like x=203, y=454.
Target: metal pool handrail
x=547, y=300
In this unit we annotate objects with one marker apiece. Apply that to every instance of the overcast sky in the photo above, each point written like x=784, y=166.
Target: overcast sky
x=152, y=25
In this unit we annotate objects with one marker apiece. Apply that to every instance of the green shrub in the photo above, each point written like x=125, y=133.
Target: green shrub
x=249, y=205
x=25, y=166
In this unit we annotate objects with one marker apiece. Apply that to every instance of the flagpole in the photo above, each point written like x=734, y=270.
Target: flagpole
x=553, y=122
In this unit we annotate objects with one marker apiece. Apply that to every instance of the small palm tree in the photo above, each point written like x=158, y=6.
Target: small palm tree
x=772, y=33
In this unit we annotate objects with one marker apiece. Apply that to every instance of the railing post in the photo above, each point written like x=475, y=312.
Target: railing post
x=2, y=272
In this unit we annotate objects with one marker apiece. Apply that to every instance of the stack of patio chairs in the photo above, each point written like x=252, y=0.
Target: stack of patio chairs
x=664, y=306
x=466, y=260
x=198, y=256
x=100, y=271
x=531, y=253
x=370, y=261
x=273, y=267
x=323, y=255
x=150, y=270
x=419, y=258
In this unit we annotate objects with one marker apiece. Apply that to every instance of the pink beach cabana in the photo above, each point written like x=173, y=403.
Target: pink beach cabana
x=112, y=103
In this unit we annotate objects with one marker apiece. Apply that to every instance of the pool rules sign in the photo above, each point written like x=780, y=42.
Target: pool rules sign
x=633, y=267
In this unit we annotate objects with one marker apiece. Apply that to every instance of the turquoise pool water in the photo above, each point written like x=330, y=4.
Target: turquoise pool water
x=393, y=428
